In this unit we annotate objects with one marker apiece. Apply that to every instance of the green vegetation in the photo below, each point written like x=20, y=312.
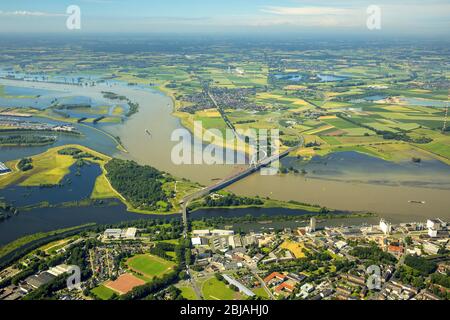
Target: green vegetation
x=214, y=289
x=142, y=186
x=231, y=200
x=424, y=266
x=188, y=293
x=103, y=292
x=157, y=283
x=25, y=140
x=7, y=211
x=163, y=250
x=25, y=164
x=373, y=254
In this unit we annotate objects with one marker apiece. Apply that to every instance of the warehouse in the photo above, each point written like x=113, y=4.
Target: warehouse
x=4, y=169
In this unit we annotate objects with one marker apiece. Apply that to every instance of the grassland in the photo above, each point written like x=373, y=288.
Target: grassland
x=54, y=246
x=213, y=289
x=103, y=292
x=49, y=167
x=260, y=292
x=188, y=293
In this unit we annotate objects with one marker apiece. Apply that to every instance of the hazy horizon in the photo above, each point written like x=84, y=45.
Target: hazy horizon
x=401, y=17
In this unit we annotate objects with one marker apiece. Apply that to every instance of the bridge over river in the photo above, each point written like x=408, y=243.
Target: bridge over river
x=230, y=180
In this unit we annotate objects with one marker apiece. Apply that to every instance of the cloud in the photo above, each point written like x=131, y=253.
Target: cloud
x=31, y=14
x=306, y=11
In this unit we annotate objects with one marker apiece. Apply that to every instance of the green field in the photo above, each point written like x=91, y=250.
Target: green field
x=103, y=292
x=260, y=292
x=214, y=289
x=188, y=293
x=150, y=266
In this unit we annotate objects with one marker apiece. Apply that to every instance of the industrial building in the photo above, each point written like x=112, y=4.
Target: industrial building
x=4, y=169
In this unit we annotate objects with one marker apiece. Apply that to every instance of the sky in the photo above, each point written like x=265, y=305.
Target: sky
x=418, y=17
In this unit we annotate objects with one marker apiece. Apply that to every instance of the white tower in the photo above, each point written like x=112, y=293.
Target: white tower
x=312, y=224
x=385, y=226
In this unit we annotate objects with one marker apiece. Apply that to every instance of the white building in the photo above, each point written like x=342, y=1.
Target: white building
x=113, y=233
x=197, y=241
x=130, y=233
x=312, y=224
x=434, y=224
x=219, y=232
x=340, y=244
x=4, y=169
x=116, y=234
x=59, y=270
x=430, y=248
x=432, y=233
x=385, y=226
x=203, y=233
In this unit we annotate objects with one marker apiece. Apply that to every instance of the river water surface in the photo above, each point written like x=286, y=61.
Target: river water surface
x=383, y=188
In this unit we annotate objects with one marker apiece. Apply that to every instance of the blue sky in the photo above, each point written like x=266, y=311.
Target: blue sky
x=397, y=16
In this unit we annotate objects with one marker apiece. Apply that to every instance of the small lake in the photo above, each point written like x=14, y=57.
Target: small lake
x=294, y=77
x=289, y=77
x=330, y=78
x=424, y=102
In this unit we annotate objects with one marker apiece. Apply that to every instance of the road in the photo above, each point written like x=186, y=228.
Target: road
x=197, y=291
x=263, y=284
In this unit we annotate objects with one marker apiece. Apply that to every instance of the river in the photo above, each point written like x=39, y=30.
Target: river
x=355, y=193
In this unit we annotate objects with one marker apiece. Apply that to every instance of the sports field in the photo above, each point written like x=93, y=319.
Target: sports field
x=125, y=283
x=150, y=266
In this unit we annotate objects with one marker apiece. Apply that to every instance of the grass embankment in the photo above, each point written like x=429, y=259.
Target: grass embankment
x=16, y=244
x=260, y=203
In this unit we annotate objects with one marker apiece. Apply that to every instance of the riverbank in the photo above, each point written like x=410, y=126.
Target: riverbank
x=155, y=115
